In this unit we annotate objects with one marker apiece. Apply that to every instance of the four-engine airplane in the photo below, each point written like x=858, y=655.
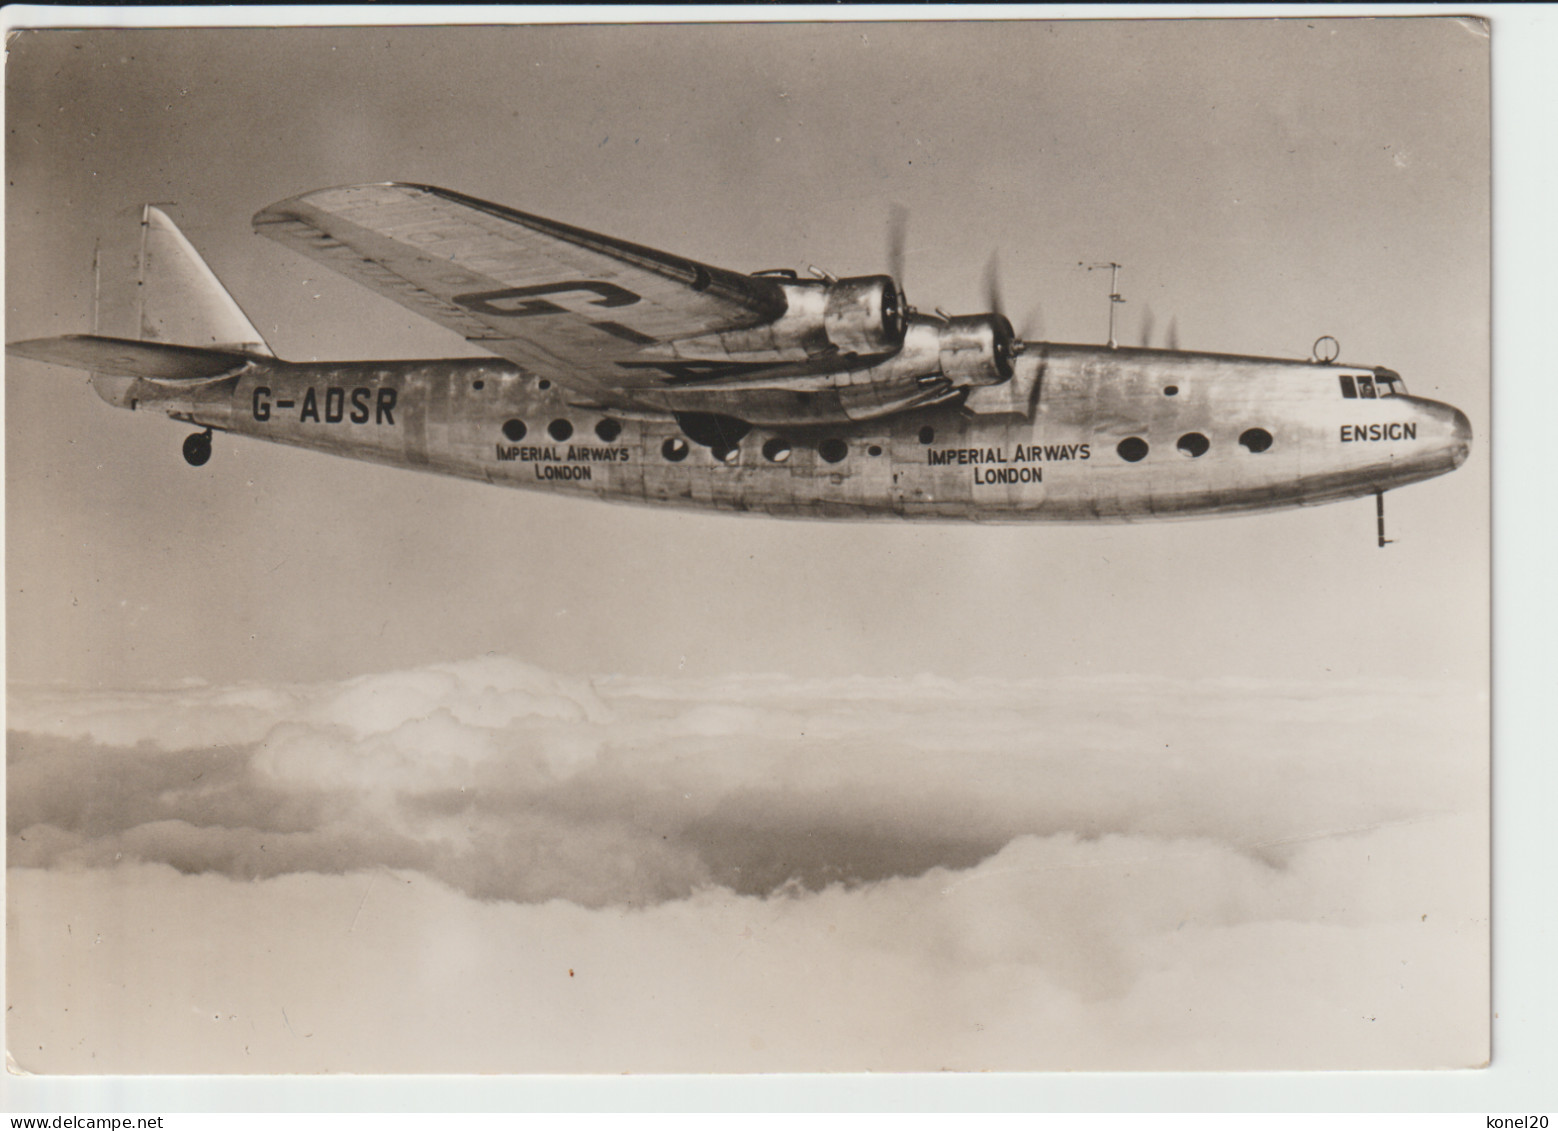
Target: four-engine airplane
x=626, y=373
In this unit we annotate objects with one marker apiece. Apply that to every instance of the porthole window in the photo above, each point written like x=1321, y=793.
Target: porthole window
x=514, y=430
x=608, y=430
x=675, y=449
x=560, y=429
x=730, y=454
x=776, y=450
x=833, y=449
x=875, y=449
x=1256, y=439
x=927, y=434
x=543, y=384
x=478, y=385
x=1171, y=390
x=1193, y=444
x=1132, y=449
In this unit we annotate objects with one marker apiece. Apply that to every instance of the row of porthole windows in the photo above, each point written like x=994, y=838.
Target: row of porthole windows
x=675, y=449
x=775, y=450
x=607, y=429
x=1133, y=449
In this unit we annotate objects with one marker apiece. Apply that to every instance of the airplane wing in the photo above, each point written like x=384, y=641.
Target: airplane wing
x=559, y=301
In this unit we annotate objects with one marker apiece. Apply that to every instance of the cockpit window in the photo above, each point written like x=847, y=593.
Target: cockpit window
x=1383, y=383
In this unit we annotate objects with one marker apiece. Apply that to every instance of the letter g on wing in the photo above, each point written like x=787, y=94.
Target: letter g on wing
x=524, y=302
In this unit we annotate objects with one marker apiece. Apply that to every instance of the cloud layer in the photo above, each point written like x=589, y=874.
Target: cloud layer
x=935, y=873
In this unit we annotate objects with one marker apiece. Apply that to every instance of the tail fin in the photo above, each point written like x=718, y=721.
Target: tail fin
x=182, y=302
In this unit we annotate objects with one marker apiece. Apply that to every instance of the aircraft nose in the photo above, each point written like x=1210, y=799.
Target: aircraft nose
x=1460, y=436
x=1451, y=432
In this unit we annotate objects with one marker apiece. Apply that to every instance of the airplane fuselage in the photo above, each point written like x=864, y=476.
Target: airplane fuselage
x=1079, y=433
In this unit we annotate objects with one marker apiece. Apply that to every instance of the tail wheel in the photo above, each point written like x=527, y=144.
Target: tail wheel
x=197, y=449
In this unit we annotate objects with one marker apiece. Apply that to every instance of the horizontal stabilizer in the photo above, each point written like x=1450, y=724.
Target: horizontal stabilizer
x=152, y=361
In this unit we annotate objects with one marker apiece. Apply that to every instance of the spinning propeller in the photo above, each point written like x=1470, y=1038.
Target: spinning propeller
x=1171, y=338
x=897, y=234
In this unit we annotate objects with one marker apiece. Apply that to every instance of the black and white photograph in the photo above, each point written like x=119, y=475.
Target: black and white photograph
x=872, y=546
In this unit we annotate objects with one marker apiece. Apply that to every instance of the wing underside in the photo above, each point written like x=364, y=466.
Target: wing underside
x=562, y=302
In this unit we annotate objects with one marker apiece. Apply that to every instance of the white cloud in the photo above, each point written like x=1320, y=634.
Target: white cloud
x=758, y=873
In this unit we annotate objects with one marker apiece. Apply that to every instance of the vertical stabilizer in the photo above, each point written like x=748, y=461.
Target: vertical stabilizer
x=182, y=302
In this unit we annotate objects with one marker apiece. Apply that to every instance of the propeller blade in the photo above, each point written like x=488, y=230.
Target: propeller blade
x=897, y=234
x=1146, y=327
x=1173, y=334
x=1033, y=325
x=993, y=284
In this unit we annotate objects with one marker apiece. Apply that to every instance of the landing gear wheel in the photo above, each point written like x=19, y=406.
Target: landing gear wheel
x=197, y=449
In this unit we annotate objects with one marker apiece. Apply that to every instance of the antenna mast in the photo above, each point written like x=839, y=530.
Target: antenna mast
x=1114, y=294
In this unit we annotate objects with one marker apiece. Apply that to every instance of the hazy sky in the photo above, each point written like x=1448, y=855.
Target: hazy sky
x=1264, y=182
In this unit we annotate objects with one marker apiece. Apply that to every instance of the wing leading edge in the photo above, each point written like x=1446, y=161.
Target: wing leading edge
x=560, y=301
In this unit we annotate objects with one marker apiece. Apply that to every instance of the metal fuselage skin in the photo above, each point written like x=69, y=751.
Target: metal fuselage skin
x=1050, y=444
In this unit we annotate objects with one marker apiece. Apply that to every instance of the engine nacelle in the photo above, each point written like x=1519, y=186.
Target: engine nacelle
x=941, y=358
x=862, y=316
x=977, y=349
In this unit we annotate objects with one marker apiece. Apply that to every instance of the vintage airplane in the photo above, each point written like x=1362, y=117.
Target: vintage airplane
x=626, y=373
